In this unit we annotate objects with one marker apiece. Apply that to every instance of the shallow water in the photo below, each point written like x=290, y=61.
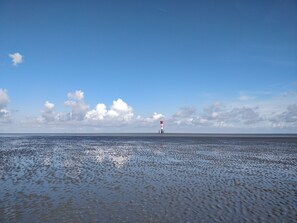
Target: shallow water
x=66, y=178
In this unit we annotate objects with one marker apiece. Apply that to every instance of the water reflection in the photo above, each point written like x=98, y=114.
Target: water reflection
x=119, y=156
x=160, y=150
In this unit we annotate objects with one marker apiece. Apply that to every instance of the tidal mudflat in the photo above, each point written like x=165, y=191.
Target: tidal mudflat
x=147, y=178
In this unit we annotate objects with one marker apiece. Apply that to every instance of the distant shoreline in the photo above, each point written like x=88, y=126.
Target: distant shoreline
x=223, y=135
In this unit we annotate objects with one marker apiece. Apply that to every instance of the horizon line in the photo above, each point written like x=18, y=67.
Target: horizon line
x=150, y=134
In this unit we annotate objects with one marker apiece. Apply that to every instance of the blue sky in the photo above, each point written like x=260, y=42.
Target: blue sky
x=192, y=63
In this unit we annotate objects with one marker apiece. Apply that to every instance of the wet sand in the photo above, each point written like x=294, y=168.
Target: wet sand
x=148, y=178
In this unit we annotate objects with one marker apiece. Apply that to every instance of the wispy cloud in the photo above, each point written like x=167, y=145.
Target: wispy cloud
x=154, y=118
x=185, y=112
x=77, y=95
x=245, y=97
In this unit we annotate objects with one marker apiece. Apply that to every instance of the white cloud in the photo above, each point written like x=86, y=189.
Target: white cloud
x=77, y=95
x=120, y=105
x=157, y=116
x=287, y=117
x=78, y=107
x=119, y=111
x=5, y=114
x=98, y=113
x=49, y=106
x=150, y=120
x=17, y=58
x=112, y=113
x=80, y=116
x=4, y=99
x=48, y=114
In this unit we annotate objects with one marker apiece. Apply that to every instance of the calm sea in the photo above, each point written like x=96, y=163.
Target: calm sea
x=148, y=178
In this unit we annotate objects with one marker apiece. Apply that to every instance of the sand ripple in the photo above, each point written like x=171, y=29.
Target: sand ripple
x=147, y=179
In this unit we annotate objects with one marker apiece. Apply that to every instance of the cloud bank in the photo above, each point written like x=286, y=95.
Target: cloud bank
x=118, y=114
x=278, y=114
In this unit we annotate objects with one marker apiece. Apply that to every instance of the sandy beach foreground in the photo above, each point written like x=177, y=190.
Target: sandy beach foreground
x=144, y=178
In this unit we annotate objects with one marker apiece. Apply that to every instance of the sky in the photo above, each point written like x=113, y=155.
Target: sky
x=202, y=66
